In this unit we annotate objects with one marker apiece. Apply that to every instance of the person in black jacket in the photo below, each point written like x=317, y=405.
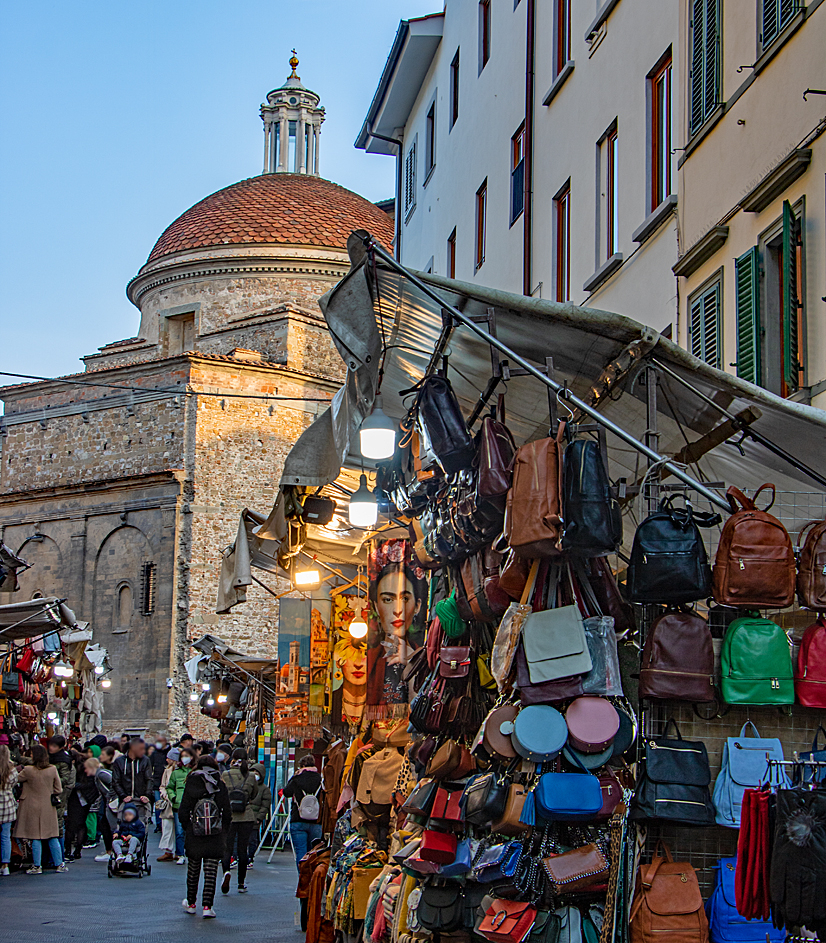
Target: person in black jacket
x=82, y=797
x=203, y=784
x=305, y=783
x=132, y=778
x=158, y=761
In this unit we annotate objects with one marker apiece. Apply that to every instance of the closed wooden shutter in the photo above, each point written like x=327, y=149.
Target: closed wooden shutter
x=704, y=326
x=705, y=61
x=748, y=315
x=776, y=14
x=792, y=245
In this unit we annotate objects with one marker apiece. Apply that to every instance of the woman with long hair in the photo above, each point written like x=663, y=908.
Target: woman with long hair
x=37, y=815
x=241, y=788
x=8, y=806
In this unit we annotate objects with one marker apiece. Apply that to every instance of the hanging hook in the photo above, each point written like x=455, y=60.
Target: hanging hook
x=563, y=404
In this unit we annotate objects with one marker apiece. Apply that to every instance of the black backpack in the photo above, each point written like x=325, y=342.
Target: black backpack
x=593, y=524
x=206, y=817
x=442, y=425
x=669, y=563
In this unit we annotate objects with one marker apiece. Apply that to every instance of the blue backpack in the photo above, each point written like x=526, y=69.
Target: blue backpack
x=725, y=925
x=745, y=766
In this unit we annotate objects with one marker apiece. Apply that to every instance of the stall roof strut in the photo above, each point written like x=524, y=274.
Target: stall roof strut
x=562, y=391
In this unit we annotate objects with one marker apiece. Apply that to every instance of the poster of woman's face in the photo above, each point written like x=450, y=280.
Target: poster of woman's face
x=398, y=601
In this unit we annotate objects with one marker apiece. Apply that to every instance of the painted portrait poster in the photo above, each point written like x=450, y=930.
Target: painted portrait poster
x=349, y=662
x=398, y=600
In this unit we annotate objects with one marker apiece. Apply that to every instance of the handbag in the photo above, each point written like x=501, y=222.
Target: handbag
x=513, y=575
x=674, y=786
x=545, y=692
x=555, y=643
x=592, y=722
x=604, y=678
x=576, y=869
x=495, y=742
x=564, y=797
x=495, y=449
x=441, y=908
x=10, y=683
x=667, y=903
x=509, y=823
x=451, y=761
x=498, y=863
x=726, y=925
x=509, y=633
x=745, y=766
x=428, y=709
x=438, y=847
x=815, y=774
x=484, y=799
x=810, y=674
x=454, y=661
x=611, y=795
x=507, y=921
x=539, y=733
x=678, y=659
x=420, y=801
x=593, y=523
x=447, y=811
x=461, y=864
x=441, y=424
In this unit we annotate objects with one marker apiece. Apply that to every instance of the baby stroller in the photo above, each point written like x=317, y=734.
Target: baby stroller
x=136, y=863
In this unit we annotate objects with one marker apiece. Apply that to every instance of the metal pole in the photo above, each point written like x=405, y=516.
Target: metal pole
x=556, y=387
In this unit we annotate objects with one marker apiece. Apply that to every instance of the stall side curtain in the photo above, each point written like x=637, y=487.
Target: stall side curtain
x=747, y=275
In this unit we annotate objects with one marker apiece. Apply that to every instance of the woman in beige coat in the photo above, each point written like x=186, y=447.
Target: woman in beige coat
x=37, y=817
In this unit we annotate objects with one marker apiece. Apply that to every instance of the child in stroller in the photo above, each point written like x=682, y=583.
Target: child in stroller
x=129, y=839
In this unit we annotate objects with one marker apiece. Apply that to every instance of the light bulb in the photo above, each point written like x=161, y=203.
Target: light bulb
x=99, y=669
x=307, y=577
x=364, y=509
x=222, y=699
x=62, y=670
x=106, y=683
x=377, y=436
x=194, y=696
x=205, y=687
x=52, y=715
x=358, y=628
x=210, y=701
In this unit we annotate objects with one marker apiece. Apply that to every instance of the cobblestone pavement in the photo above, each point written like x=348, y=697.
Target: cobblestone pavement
x=86, y=905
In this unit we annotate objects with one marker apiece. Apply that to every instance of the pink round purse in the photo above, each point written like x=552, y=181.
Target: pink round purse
x=592, y=722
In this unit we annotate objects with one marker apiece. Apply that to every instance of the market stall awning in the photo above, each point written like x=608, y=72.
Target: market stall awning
x=598, y=355
x=33, y=617
x=216, y=649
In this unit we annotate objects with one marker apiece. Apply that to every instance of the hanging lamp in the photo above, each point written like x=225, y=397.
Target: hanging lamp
x=377, y=435
x=364, y=509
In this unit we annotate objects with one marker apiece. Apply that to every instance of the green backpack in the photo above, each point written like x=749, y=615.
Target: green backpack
x=756, y=663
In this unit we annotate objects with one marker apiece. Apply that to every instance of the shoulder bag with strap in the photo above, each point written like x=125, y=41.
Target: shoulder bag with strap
x=756, y=663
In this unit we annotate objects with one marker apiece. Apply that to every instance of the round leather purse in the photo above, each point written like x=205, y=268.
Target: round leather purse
x=539, y=733
x=495, y=741
x=593, y=723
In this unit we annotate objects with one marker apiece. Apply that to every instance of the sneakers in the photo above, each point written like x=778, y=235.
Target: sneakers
x=91, y=844
x=181, y=860
x=166, y=856
x=249, y=865
x=209, y=912
x=62, y=869
x=189, y=908
x=233, y=863
x=129, y=859
x=4, y=870
x=35, y=869
x=227, y=879
x=242, y=888
x=102, y=857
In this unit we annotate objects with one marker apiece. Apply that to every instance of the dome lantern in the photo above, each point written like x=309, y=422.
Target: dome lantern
x=292, y=119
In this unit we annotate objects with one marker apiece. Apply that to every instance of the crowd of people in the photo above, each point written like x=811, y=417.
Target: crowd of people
x=207, y=802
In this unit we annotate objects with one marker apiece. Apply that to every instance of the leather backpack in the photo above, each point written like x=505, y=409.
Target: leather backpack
x=533, y=514
x=442, y=425
x=811, y=567
x=678, y=659
x=667, y=903
x=495, y=449
x=755, y=563
x=756, y=663
x=810, y=676
x=669, y=563
x=593, y=524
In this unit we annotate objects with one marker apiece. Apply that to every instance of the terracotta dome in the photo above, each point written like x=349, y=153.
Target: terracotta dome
x=285, y=209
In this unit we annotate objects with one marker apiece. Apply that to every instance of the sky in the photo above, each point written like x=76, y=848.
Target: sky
x=117, y=117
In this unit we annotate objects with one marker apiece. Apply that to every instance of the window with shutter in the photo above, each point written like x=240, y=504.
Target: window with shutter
x=747, y=274
x=410, y=180
x=776, y=15
x=792, y=307
x=704, y=324
x=704, y=78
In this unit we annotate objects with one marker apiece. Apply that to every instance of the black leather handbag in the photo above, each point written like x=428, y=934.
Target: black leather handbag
x=669, y=563
x=674, y=786
x=485, y=798
x=441, y=909
x=593, y=523
x=442, y=425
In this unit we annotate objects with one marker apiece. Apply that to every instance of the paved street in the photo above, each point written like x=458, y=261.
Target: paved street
x=86, y=905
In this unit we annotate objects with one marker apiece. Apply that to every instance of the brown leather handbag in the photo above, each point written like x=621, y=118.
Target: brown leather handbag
x=755, y=563
x=513, y=575
x=510, y=824
x=451, y=760
x=495, y=449
x=454, y=661
x=576, y=869
x=475, y=578
x=533, y=514
x=496, y=742
x=678, y=659
x=811, y=568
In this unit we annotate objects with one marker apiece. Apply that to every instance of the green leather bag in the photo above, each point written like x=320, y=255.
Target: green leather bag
x=756, y=663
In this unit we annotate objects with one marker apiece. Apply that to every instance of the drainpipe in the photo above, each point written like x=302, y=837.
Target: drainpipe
x=399, y=171
x=527, y=216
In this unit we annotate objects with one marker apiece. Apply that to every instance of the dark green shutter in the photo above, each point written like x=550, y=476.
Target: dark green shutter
x=712, y=52
x=697, y=34
x=704, y=326
x=748, y=315
x=696, y=327
x=791, y=240
x=776, y=14
x=705, y=60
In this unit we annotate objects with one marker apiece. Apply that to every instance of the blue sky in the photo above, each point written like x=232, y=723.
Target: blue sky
x=116, y=117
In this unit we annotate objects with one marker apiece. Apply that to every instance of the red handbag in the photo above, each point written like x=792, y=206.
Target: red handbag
x=439, y=847
x=507, y=921
x=447, y=809
x=25, y=661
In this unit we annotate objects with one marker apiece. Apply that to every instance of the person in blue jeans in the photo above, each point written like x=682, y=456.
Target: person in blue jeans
x=307, y=795
x=8, y=806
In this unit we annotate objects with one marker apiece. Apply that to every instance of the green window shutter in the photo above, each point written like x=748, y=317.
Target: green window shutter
x=712, y=58
x=697, y=44
x=771, y=20
x=696, y=327
x=791, y=241
x=704, y=326
x=747, y=274
x=705, y=60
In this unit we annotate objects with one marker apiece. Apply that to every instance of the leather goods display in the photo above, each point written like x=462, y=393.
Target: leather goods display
x=461, y=865
x=611, y=795
x=495, y=449
x=442, y=426
x=438, y=847
x=420, y=801
x=539, y=733
x=816, y=774
x=810, y=674
x=678, y=659
x=725, y=924
x=756, y=663
x=674, y=786
x=454, y=661
x=447, y=809
x=745, y=766
x=480, y=580
x=451, y=760
x=593, y=524
x=510, y=821
x=484, y=799
x=496, y=742
x=555, y=644
x=811, y=567
x=546, y=692
x=592, y=723
x=513, y=574
x=441, y=908
x=497, y=863
x=669, y=563
x=507, y=921
x=533, y=515
x=565, y=797
x=755, y=563
x=576, y=869
x=667, y=903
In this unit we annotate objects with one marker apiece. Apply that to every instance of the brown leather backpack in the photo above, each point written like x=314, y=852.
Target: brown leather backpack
x=533, y=516
x=667, y=903
x=678, y=659
x=811, y=569
x=755, y=563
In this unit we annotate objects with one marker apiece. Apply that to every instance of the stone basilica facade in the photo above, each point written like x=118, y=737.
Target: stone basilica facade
x=123, y=494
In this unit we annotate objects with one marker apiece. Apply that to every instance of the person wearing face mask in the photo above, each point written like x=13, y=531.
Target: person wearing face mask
x=175, y=792
x=222, y=756
x=242, y=790
x=166, y=845
x=261, y=806
x=158, y=761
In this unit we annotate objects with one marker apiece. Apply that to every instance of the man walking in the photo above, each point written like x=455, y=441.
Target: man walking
x=132, y=778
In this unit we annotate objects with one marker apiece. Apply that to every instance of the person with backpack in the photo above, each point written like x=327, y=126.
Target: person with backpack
x=262, y=807
x=175, y=786
x=206, y=817
x=305, y=790
x=242, y=789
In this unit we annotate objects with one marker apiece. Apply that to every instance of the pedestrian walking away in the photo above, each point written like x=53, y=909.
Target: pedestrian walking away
x=37, y=813
x=262, y=807
x=305, y=790
x=242, y=789
x=206, y=818
x=8, y=807
x=60, y=759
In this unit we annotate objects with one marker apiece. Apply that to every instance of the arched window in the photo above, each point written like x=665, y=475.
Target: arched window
x=124, y=607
